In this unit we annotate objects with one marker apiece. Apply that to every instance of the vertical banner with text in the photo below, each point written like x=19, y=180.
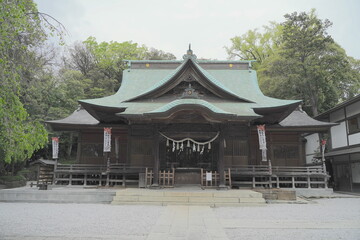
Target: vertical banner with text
x=262, y=141
x=55, y=147
x=107, y=139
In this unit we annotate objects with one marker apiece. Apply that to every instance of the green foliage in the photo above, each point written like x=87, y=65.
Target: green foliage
x=109, y=57
x=12, y=178
x=309, y=65
x=20, y=30
x=19, y=136
x=109, y=61
x=155, y=54
x=298, y=59
x=254, y=45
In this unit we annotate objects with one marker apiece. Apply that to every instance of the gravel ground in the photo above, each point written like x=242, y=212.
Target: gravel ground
x=327, y=219
x=86, y=220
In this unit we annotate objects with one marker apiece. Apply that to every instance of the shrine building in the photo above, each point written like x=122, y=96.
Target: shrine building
x=185, y=118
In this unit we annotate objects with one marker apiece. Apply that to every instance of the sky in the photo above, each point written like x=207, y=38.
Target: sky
x=170, y=25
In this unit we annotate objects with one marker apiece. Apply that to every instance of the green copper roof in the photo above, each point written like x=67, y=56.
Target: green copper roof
x=183, y=102
x=138, y=82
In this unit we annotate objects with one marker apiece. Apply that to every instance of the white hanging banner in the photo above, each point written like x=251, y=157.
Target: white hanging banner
x=107, y=139
x=55, y=147
x=262, y=137
x=262, y=141
x=208, y=176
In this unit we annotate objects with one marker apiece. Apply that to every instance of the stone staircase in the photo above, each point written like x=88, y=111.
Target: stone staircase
x=212, y=198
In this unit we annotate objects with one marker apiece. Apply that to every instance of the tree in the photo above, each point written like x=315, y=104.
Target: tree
x=109, y=57
x=109, y=61
x=254, y=45
x=309, y=65
x=81, y=58
x=298, y=59
x=155, y=54
x=20, y=30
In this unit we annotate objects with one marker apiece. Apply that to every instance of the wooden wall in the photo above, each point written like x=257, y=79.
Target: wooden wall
x=284, y=149
x=90, y=147
x=135, y=147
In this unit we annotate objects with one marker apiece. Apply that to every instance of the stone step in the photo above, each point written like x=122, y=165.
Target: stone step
x=54, y=196
x=187, y=199
x=210, y=198
x=229, y=193
x=191, y=204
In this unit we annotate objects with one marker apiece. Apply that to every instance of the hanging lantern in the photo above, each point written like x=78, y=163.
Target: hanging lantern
x=173, y=149
x=182, y=146
x=188, y=144
x=209, y=146
x=194, y=147
x=177, y=146
x=167, y=142
x=224, y=143
x=198, y=148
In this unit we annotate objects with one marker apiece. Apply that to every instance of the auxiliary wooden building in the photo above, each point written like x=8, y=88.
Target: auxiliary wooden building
x=185, y=118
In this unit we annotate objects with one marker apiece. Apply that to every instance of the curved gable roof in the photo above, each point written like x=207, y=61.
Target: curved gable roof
x=237, y=89
x=174, y=78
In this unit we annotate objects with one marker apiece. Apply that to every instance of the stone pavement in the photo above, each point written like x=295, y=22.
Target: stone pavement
x=325, y=219
x=187, y=222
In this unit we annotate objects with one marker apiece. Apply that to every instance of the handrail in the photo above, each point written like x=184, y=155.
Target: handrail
x=276, y=170
x=96, y=167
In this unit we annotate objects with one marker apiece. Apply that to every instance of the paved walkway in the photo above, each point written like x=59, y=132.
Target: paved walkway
x=325, y=219
x=187, y=222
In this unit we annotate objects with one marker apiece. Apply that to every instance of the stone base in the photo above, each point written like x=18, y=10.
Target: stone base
x=187, y=178
x=314, y=192
x=56, y=196
x=192, y=197
x=278, y=194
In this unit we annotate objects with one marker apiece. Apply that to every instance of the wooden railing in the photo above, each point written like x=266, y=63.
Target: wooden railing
x=166, y=177
x=279, y=176
x=91, y=174
x=248, y=175
x=215, y=178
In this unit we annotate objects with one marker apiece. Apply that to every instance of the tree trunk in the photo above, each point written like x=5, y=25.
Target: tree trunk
x=314, y=105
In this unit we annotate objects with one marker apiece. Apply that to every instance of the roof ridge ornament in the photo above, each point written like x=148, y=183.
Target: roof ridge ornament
x=189, y=54
x=190, y=92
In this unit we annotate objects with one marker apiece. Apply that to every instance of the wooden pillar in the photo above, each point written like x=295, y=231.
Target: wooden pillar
x=124, y=176
x=54, y=175
x=128, y=150
x=117, y=149
x=70, y=177
x=78, y=153
x=107, y=169
x=156, y=158
x=221, y=160
x=85, y=178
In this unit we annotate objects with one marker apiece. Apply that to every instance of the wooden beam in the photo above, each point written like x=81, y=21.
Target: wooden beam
x=156, y=158
x=221, y=160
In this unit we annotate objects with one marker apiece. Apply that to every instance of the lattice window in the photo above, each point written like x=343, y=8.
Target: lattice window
x=354, y=124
